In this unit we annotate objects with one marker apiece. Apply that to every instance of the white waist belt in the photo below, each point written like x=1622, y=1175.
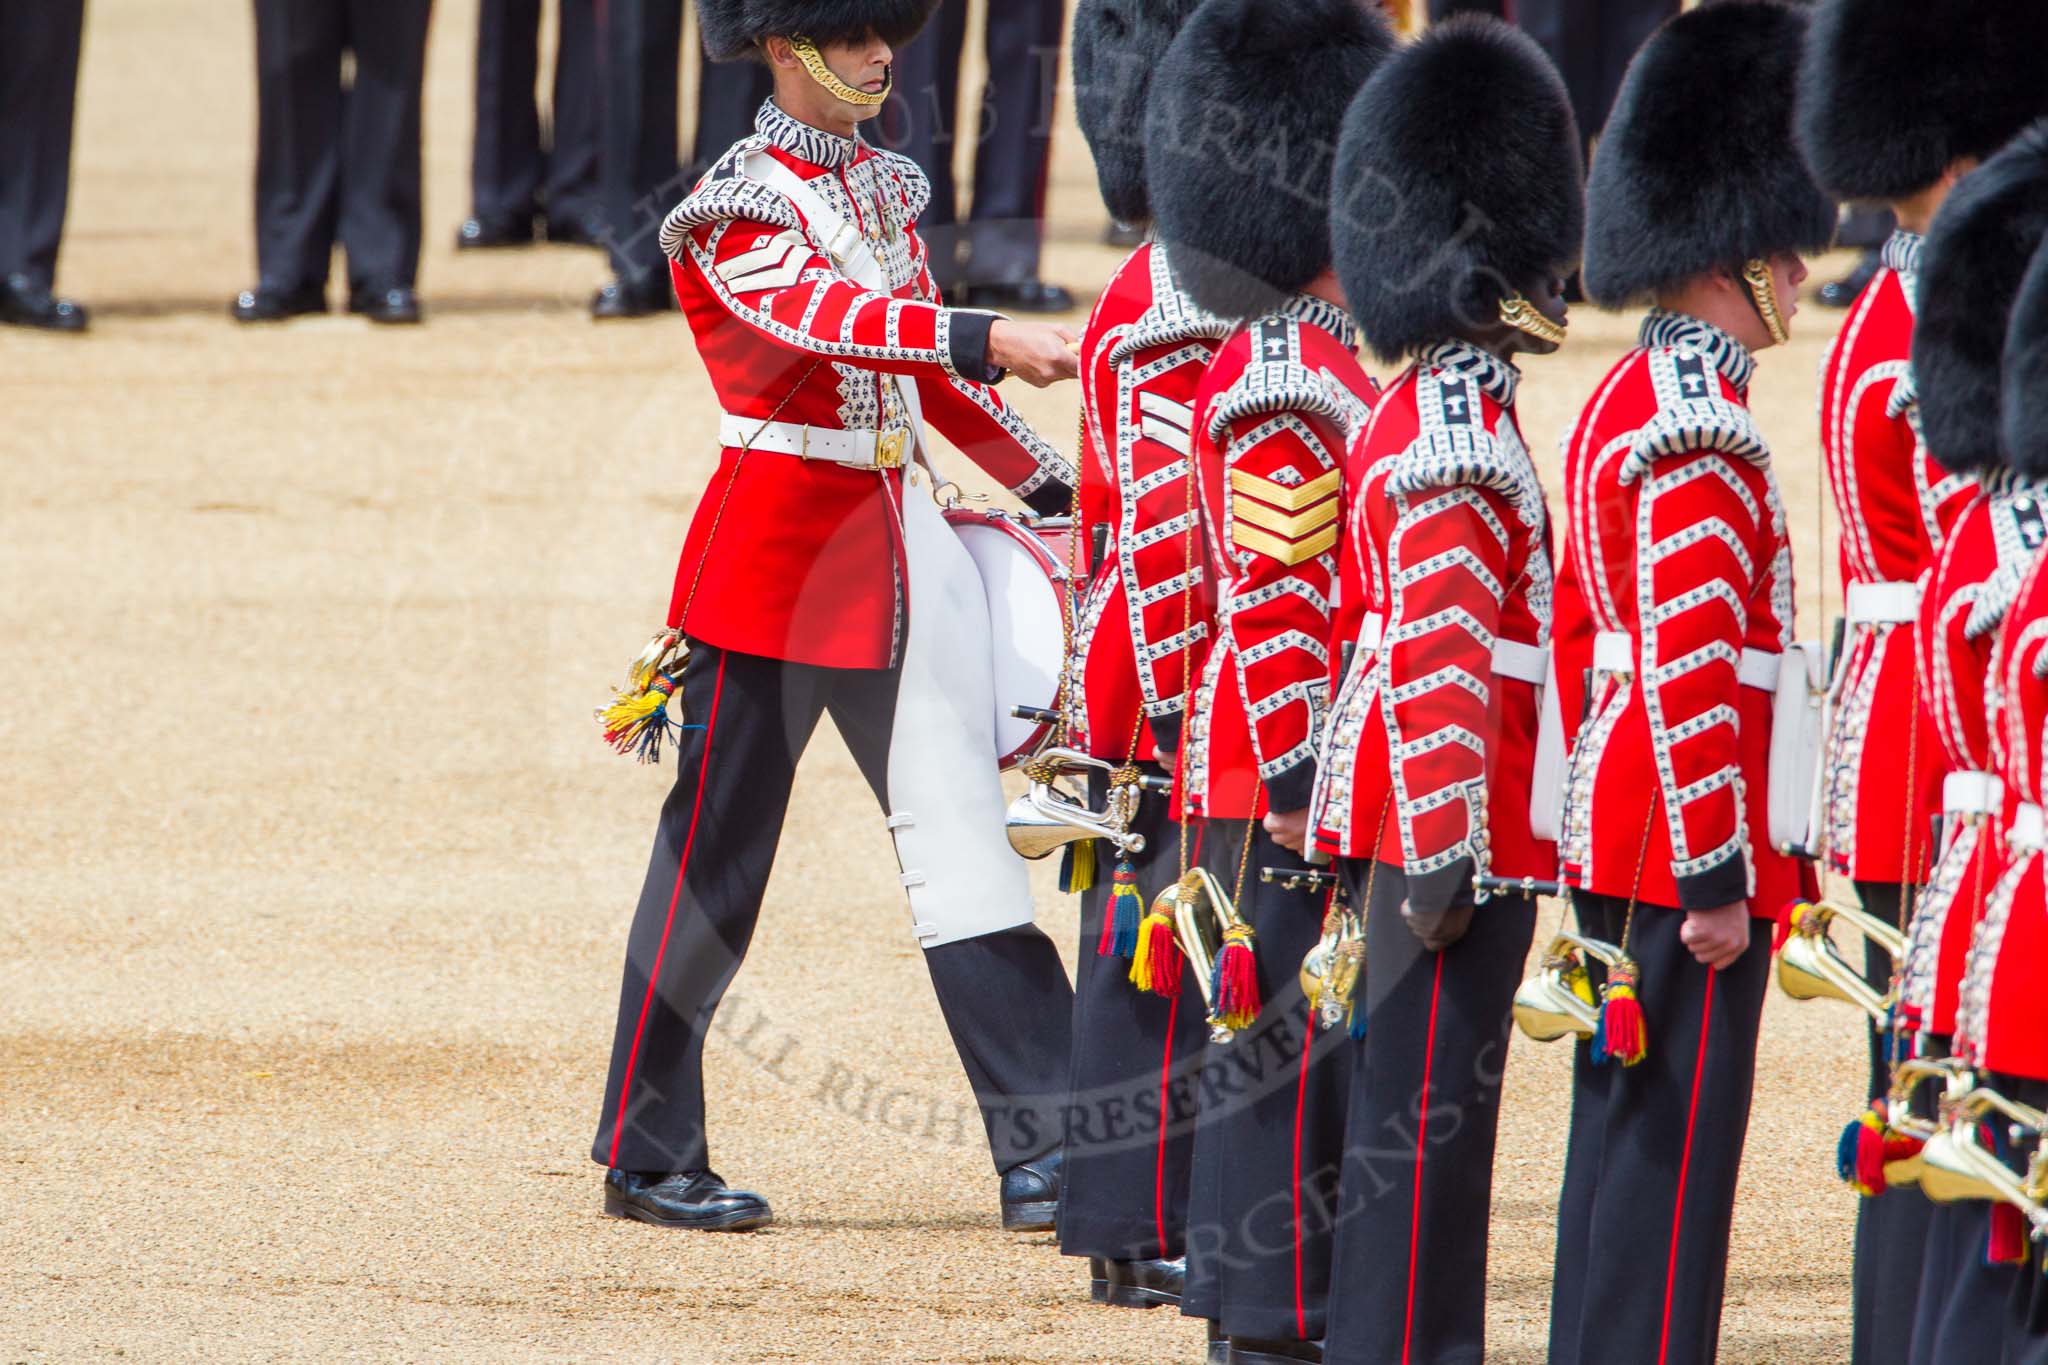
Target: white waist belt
x=1873, y=604
x=860, y=449
x=2029, y=829
x=1971, y=793
x=1511, y=658
x=1614, y=651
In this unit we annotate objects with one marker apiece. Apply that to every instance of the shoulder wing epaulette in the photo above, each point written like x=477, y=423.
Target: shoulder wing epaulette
x=1275, y=380
x=2019, y=531
x=725, y=193
x=1692, y=415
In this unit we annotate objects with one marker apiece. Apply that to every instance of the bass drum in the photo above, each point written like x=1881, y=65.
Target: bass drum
x=1024, y=572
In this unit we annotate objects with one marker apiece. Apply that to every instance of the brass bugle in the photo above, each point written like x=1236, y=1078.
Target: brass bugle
x=1046, y=819
x=1811, y=967
x=1331, y=968
x=1200, y=913
x=1559, y=999
x=1956, y=1165
x=1904, y=1119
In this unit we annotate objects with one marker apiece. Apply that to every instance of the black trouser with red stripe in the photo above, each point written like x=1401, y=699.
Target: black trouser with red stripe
x=1130, y=1122
x=1417, y=1192
x=1961, y=1297
x=1270, y=1136
x=1649, y=1181
x=1004, y=995
x=1891, y=1228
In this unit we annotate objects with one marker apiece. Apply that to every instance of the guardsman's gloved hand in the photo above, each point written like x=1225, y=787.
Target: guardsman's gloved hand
x=1440, y=928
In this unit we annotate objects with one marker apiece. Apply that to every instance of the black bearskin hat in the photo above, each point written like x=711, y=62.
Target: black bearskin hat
x=1458, y=183
x=2025, y=400
x=1697, y=168
x=734, y=28
x=1117, y=43
x=1976, y=255
x=1239, y=139
x=1892, y=91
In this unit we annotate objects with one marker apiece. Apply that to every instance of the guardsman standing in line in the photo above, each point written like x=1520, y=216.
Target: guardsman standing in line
x=1129, y=1137
x=1682, y=569
x=518, y=177
x=337, y=163
x=1425, y=779
x=819, y=577
x=1897, y=103
x=1975, y=257
x=1243, y=119
x=39, y=48
x=2003, y=1022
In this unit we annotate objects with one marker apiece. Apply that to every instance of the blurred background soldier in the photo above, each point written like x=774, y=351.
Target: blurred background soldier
x=994, y=255
x=640, y=51
x=335, y=160
x=39, y=47
x=527, y=175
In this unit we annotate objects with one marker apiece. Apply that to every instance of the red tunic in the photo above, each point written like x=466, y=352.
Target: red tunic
x=1677, y=539
x=801, y=559
x=1988, y=553
x=1450, y=521
x=1142, y=357
x=2002, y=1017
x=1272, y=417
x=1883, y=768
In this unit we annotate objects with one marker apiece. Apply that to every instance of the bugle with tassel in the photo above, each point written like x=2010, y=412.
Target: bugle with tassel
x=1558, y=999
x=1207, y=929
x=1956, y=1164
x=1811, y=967
x=1048, y=817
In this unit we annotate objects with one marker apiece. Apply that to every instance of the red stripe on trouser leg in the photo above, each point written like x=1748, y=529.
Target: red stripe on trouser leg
x=1436, y=990
x=1308, y=1047
x=676, y=895
x=1692, y=1114
x=1159, y=1156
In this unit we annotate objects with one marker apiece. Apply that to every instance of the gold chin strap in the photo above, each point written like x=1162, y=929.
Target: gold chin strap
x=1522, y=315
x=814, y=62
x=1764, y=289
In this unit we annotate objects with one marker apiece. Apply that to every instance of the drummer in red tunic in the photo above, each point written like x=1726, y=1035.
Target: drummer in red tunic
x=1678, y=596
x=1244, y=115
x=1897, y=103
x=1425, y=777
x=820, y=578
x=1975, y=257
x=1144, y=624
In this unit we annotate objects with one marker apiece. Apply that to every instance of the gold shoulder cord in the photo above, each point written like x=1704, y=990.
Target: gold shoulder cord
x=814, y=62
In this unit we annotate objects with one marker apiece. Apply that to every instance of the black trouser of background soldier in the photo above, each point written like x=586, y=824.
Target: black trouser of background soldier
x=39, y=48
x=1004, y=995
x=1416, y=1198
x=1592, y=42
x=1259, y=1234
x=1654, y=1145
x=1011, y=126
x=1891, y=1228
x=333, y=163
x=518, y=170
x=1130, y=1123
x=1962, y=1298
x=2026, y=1320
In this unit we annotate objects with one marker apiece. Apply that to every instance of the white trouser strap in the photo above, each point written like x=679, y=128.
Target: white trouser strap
x=1511, y=658
x=1614, y=651
x=1972, y=793
x=859, y=449
x=1872, y=604
x=2029, y=828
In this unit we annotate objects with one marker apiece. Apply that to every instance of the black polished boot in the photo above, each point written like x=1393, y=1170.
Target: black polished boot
x=1845, y=291
x=1144, y=1284
x=24, y=303
x=269, y=302
x=1031, y=1194
x=1098, y=1280
x=686, y=1199
x=1284, y=1351
x=1219, y=1346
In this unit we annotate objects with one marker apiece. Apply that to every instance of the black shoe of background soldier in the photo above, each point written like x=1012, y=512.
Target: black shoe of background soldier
x=684, y=1199
x=484, y=234
x=621, y=300
x=23, y=303
x=1126, y=235
x=1843, y=292
x=275, y=303
x=1031, y=1194
x=1261, y=1351
x=1144, y=1284
x=397, y=305
x=1219, y=1346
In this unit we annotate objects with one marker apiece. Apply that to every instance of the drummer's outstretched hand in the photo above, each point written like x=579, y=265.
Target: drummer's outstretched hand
x=1039, y=353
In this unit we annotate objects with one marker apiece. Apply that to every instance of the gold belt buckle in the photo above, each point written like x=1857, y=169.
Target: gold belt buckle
x=889, y=449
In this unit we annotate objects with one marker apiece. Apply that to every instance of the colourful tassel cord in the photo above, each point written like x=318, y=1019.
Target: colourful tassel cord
x=1790, y=918
x=636, y=723
x=1236, y=985
x=2008, y=1243
x=1156, y=958
x=1867, y=1146
x=1077, y=868
x=1357, y=1013
x=1621, y=1035
x=1126, y=909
